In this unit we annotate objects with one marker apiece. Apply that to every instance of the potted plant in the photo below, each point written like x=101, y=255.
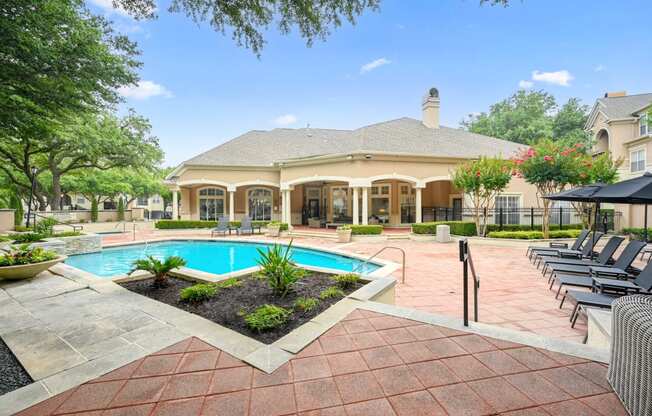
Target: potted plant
x=158, y=268
x=23, y=262
x=344, y=234
x=274, y=229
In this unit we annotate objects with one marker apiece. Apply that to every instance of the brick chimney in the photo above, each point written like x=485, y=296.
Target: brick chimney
x=430, y=109
x=615, y=94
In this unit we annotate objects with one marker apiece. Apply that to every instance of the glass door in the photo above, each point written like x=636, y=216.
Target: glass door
x=408, y=204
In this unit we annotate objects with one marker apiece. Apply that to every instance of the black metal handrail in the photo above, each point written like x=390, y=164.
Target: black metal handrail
x=74, y=227
x=467, y=263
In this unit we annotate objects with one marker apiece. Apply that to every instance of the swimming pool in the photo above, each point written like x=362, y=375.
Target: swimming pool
x=216, y=257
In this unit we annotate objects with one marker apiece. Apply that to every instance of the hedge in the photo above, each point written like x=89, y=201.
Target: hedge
x=519, y=227
x=181, y=224
x=533, y=235
x=464, y=228
x=366, y=229
x=637, y=233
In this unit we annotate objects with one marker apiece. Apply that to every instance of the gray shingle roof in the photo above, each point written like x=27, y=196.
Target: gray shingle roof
x=400, y=136
x=621, y=107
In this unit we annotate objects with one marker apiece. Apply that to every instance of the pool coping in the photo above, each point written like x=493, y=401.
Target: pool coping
x=386, y=267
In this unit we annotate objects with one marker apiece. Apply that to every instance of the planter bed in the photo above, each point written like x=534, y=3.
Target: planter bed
x=12, y=375
x=226, y=307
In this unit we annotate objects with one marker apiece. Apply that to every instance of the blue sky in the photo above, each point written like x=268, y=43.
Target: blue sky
x=199, y=89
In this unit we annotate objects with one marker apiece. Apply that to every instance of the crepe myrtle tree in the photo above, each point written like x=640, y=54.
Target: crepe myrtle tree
x=550, y=166
x=482, y=180
x=600, y=169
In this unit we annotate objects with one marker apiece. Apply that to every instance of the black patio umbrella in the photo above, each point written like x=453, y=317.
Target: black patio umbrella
x=636, y=191
x=581, y=194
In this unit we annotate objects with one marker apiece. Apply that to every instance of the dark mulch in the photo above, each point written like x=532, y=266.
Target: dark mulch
x=227, y=307
x=12, y=375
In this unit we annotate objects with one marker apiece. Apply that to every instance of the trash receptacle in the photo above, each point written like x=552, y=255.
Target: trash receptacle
x=630, y=366
x=443, y=234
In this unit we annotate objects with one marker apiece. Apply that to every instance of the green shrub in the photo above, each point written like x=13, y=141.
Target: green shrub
x=121, y=209
x=637, y=233
x=45, y=227
x=183, y=224
x=522, y=227
x=22, y=228
x=67, y=234
x=465, y=228
x=94, y=210
x=229, y=283
x=26, y=255
x=4, y=238
x=198, y=292
x=277, y=268
x=26, y=238
x=347, y=280
x=17, y=205
x=283, y=226
x=366, y=229
x=533, y=235
x=267, y=317
x=331, y=292
x=305, y=304
x=158, y=268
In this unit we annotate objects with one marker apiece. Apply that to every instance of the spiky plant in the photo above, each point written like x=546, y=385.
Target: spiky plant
x=158, y=268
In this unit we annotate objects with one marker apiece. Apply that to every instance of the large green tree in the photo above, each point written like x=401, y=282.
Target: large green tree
x=61, y=68
x=247, y=21
x=528, y=116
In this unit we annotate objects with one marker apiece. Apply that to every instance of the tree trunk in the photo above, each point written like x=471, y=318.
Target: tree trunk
x=55, y=196
x=545, y=221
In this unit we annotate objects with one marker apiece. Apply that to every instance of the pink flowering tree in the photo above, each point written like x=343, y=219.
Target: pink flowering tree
x=550, y=166
x=600, y=169
x=482, y=180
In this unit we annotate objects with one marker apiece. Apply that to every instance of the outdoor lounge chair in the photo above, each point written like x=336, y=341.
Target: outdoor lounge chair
x=247, y=227
x=533, y=251
x=222, y=227
x=622, y=265
x=604, y=258
x=586, y=251
x=642, y=284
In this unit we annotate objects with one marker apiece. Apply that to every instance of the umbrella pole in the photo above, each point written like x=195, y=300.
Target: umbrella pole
x=595, y=227
x=645, y=225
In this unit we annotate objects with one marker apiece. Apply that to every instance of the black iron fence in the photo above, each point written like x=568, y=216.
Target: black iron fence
x=525, y=218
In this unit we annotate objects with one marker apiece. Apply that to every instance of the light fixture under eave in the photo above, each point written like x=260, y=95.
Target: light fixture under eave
x=350, y=157
x=367, y=156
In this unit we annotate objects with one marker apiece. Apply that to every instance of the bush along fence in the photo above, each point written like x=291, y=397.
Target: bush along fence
x=464, y=228
x=183, y=224
x=522, y=219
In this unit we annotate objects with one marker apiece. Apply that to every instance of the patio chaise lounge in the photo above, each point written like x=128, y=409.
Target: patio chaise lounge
x=586, y=251
x=604, y=258
x=222, y=227
x=599, y=299
x=623, y=264
x=534, y=251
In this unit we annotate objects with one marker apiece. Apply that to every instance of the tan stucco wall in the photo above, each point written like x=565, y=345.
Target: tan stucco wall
x=229, y=176
x=6, y=220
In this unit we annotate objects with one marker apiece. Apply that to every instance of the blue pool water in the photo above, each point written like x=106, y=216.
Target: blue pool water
x=209, y=256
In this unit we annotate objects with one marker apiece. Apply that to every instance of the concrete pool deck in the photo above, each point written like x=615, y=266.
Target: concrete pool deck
x=512, y=292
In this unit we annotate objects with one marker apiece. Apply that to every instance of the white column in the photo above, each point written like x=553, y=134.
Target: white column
x=283, y=205
x=365, y=205
x=175, y=205
x=288, y=214
x=356, y=209
x=418, y=205
x=231, y=206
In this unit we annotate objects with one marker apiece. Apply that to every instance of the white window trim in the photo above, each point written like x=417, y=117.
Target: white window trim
x=520, y=204
x=644, y=119
x=636, y=150
x=381, y=196
x=349, y=201
x=222, y=197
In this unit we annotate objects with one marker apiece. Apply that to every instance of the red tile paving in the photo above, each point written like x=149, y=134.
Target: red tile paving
x=452, y=374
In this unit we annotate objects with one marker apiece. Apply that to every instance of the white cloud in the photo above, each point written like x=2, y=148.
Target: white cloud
x=599, y=68
x=370, y=66
x=562, y=77
x=285, y=120
x=144, y=90
x=526, y=85
x=107, y=6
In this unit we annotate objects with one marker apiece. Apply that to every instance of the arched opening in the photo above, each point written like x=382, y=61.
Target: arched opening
x=211, y=203
x=441, y=201
x=259, y=204
x=601, y=142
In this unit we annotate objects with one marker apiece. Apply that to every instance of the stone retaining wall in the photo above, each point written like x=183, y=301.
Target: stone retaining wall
x=85, y=243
